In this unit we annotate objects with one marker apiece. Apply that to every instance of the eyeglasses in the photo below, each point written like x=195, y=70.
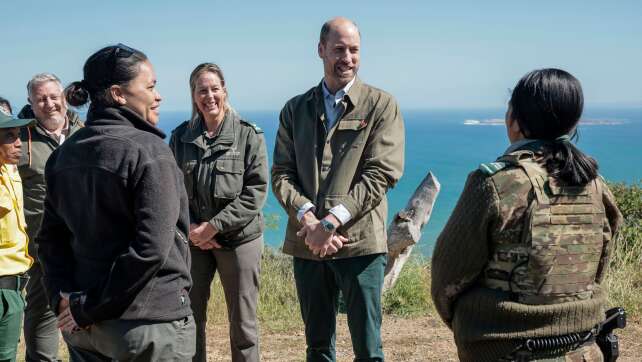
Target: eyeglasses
x=123, y=51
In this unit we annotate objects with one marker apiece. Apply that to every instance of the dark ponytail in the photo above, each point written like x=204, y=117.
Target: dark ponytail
x=76, y=94
x=547, y=104
x=567, y=163
x=111, y=65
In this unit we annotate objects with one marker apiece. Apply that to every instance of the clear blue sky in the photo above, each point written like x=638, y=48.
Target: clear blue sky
x=429, y=54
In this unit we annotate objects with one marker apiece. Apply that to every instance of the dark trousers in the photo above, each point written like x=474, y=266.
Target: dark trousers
x=124, y=340
x=239, y=271
x=40, y=325
x=360, y=280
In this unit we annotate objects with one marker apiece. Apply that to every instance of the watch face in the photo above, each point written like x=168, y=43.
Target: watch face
x=327, y=226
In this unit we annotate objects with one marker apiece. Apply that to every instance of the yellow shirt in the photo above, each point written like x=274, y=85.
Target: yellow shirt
x=14, y=258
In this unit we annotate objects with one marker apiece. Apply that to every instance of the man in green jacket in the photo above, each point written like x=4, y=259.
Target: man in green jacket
x=55, y=123
x=338, y=150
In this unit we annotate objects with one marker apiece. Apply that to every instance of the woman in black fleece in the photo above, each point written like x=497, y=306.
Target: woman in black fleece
x=113, y=242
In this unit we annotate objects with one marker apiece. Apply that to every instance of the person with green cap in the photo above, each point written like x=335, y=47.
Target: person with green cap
x=14, y=257
x=55, y=122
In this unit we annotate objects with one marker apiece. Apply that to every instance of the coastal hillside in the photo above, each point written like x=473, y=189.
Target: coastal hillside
x=411, y=328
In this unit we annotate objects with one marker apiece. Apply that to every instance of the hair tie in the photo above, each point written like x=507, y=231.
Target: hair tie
x=563, y=138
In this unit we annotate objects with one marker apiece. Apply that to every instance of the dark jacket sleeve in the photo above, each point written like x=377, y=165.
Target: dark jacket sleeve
x=156, y=211
x=55, y=254
x=173, y=143
x=383, y=162
x=285, y=180
x=248, y=204
x=461, y=252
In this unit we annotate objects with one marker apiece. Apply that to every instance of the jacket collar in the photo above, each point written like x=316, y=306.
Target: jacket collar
x=72, y=118
x=351, y=99
x=195, y=132
x=120, y=116
x=353, y=96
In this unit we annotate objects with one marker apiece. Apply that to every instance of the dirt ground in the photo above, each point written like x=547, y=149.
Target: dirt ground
x=415, y=339
x=404, y=339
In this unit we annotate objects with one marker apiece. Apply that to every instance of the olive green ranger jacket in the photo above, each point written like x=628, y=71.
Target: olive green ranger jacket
x=37, y=146
x=225, y=176
x=353, y=164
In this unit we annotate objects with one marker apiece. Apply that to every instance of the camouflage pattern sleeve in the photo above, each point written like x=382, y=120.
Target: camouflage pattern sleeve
x=462, y=251
x=611, y=225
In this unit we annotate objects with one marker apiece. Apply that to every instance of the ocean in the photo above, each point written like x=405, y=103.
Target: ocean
x=452, y=143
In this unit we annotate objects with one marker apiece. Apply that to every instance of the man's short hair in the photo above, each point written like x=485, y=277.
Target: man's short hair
x=325, y=30
x=41, y=78
x=6, y=104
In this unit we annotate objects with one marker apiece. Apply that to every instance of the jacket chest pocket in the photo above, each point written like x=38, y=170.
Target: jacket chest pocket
x=228, y=178
x=351, y=134
x=188, y=168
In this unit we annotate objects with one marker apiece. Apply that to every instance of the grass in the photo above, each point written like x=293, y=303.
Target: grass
x=410, y=297
x=278, y=308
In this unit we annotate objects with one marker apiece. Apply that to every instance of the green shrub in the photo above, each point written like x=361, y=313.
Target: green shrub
x=278, y=307
x=410, y=295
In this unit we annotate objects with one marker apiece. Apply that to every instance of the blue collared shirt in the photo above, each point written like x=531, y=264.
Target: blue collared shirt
x=332, y=102
x=332, y=110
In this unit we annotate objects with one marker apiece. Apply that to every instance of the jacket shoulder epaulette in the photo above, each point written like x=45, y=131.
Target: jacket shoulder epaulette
x=256, y=128
x=492, y=168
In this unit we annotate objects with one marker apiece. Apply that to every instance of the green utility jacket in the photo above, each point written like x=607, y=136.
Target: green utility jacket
x=37, y=146
x=354, y=163
x=225, y=177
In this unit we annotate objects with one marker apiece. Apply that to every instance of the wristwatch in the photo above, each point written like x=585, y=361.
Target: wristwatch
x=327, y=226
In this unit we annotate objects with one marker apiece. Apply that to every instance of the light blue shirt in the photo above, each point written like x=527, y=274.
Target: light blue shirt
x=332, y=111
x=332, y=102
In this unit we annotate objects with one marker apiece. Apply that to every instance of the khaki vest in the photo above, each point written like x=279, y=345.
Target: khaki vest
x=557, y=256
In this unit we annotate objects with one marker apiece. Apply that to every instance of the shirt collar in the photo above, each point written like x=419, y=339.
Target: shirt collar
x=518, y=144
x=339, y=94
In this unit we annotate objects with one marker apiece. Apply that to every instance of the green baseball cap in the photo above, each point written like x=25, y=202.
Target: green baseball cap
x=8, y=121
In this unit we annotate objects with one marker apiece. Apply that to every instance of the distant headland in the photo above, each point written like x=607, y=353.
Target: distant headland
x=500, y=122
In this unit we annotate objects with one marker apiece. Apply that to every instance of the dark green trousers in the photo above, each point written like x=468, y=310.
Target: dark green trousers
x=11, y=308
x=360, y=280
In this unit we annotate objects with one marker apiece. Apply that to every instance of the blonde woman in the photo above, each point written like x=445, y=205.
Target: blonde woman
x=224, y=162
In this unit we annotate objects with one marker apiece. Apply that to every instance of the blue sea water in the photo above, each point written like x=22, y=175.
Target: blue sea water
x=440, y=142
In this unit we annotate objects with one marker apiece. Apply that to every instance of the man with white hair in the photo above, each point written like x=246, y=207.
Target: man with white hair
x=55, y=123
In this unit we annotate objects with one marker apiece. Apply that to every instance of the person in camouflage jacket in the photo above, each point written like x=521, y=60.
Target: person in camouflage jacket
x=523, y=253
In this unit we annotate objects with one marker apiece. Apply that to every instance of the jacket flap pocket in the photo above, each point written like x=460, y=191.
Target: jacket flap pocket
x=229, y=166
x=352, y=124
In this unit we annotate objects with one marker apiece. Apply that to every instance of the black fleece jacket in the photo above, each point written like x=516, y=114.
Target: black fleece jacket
x=115, y=223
